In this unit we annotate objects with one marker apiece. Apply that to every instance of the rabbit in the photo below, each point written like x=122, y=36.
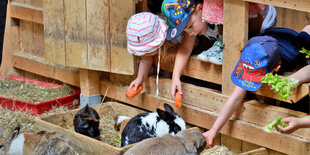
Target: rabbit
x=47, y=143
x=183, y=143
x=155, y=124
x=86, y=122
x=120, y=123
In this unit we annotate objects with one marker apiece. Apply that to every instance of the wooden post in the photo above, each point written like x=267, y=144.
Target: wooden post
x=121, y=61
x=98, y=39
x=54, y=31
x=89, y=84
x=235, y=35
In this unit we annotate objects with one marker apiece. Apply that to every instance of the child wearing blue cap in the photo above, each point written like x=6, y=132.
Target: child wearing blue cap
x=262, y=55
x=186, y=16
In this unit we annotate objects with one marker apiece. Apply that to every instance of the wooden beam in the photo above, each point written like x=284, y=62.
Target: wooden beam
x=40, y=67
x=300, y=5
x=235, y=34
x=194, y=68
x=301, y=92
x=211, y=100
x=26, y=12
x=236, y=128
x=89, y=82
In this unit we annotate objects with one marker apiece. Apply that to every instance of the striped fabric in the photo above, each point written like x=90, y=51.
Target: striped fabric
x=146, y=32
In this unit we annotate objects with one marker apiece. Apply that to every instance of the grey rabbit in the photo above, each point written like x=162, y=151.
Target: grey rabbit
x=183, y=143
x=47, y=143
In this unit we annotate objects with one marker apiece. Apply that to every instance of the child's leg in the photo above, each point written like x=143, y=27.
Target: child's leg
x=255, y=24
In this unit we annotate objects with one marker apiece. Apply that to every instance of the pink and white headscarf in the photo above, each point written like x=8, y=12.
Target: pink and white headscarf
x=146, y=32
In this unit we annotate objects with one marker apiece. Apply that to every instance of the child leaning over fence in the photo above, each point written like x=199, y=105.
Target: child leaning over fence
x=262, y=55
x=146, y=32
x=190, y=16
x=303, y=76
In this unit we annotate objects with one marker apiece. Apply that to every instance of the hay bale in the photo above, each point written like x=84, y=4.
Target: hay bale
x=217, y=150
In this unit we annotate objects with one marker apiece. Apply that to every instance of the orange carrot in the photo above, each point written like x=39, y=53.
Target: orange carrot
x=178, y=99
x=132, y=92
x=208, y=145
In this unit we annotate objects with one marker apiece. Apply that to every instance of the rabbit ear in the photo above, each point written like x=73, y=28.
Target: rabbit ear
x=162, y=114
x=14, y=133
x=169, y=109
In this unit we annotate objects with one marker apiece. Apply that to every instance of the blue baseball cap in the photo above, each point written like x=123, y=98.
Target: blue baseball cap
x=176, y=14
x=259, y=57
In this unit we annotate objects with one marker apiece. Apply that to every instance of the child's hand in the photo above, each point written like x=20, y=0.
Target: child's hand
x=210, y=136
x=176, y=87
x=293, y=124
x=136, y=83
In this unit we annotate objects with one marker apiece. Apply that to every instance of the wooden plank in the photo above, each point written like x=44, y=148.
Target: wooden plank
x=301, y=5
x=246, y=147
x=54, y=31
x=26, y=37
x=287, y=18
x=88, y=144
x=98, y=39
x=194, y=68
x=89, y=82
x=301, y=92
x=121, y=61
x=38, y=40
x=236, y=128
x=26, y=12
x=38, y=3
x=41, y=67
x=208, y=99
x=70, y=76
x=32, y=66
x=235, y=34
x=75, y=33
x=234, y=144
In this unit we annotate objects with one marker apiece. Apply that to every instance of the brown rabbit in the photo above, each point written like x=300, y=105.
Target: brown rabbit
x=183, y=143
x=120, y=123
x=43, y=142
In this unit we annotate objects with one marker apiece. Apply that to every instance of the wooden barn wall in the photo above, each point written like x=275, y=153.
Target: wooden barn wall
x=292, y=19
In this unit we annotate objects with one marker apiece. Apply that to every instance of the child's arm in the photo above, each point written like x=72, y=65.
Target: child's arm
x=145, y=65
x=303, y=75
x=182, y=56
x=227, y=110
x=294, y=123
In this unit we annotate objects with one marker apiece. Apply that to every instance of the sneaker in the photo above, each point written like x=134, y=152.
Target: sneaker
x=213, y=54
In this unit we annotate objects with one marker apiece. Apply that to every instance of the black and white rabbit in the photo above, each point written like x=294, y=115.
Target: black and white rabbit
x=155, y=124
x=86, y=122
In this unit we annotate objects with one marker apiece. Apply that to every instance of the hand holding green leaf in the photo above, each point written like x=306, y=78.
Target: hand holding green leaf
x=272, y=124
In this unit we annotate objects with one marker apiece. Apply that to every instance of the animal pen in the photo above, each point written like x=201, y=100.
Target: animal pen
x=83, y=43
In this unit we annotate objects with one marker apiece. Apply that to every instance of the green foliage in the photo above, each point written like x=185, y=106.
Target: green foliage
x=272, y=124
x=281, y=86
x=118, y=139
x=304, y=51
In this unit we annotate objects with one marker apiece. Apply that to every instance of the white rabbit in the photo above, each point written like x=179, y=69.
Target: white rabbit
x=155, y=124
x=183, y=143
